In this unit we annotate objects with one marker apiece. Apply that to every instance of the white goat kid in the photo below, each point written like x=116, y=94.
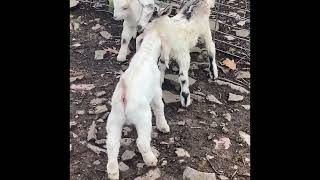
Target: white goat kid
x=138, y=88
x=136, y=15
x=182, y=32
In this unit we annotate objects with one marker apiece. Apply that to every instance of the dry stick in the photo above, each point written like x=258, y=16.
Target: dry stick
x=224, y=79
x=232, y=86
x=218, y=172
x=235, y=172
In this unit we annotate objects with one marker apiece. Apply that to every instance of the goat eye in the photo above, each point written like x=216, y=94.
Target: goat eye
x=124, y=8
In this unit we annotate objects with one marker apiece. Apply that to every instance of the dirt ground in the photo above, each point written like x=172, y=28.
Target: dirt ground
x=197, y=135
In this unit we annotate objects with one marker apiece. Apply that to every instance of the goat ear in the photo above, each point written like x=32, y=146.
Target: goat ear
x=165, y=11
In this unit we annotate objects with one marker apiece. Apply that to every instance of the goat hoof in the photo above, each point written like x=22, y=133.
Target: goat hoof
x=150, y=159
x=164, y=128
x=185, y=99
x=113, y=171
x=121, y=58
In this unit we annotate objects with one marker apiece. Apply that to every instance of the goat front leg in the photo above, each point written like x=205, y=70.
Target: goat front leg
x=211, y=48
x=164, y=61
x=158, y=110
x=184, y=65
x=143, y=123
x=114, y=127
x=128, y=32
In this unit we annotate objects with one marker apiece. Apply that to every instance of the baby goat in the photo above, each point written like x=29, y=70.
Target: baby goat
x=136, y=15
x=138, y=88
x=182, y=32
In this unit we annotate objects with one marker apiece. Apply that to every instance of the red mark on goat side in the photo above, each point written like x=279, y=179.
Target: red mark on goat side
x=123, y=94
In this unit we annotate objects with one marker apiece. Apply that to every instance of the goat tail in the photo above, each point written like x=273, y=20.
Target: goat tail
x=123, y=94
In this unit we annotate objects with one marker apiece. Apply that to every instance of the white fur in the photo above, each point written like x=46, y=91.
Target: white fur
x=135, y=13
x=142, y=92
x=181, y=35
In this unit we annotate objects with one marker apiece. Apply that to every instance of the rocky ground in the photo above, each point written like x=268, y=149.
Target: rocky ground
x=210, y=138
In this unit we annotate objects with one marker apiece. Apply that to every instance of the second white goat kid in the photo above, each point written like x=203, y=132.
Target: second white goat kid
x=182, y=32
x=137, y=92
x=136, y=15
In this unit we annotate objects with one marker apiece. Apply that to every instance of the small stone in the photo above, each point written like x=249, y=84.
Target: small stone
x=126, y=141
x=214, y=115
x=245, y=137
x=98, y=54
x=72, y=123
x=101, y=141
x=227, y=116
x=214, y=124
x=155, y=151
x=140, y=165
x=105, y=34
x=171, y=140
x=181, y=110
x=246, y=107
x=76, y=45
x=80, y=112
x=222, y=177
x=90, y=112
x=242, y=33
x=199, y=93
x=235, y=97
x=97, y=162
x=210, y=137
x=197, y=97
x=181, y=123
x=100, y=120
x=123, y=167
x=243, y=75
x=101, y=109
x=169, y=97
x=192, y=174
x=175, y=79
x=152, y=174
x=181, y=160
x=97, y=19
x=225, y=130
x=209, y=157
x=74, y=135
x=127, y=155
x=235, y=167
x=175, y=69
x=165, y=162
x=212, y=98
x=97, y=101
x=96, y=27
x=182, y=153
x=126, y=130
x=70, y=147
x=100, y=93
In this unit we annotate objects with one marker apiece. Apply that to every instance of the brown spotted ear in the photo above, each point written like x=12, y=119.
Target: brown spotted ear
x=165, y=11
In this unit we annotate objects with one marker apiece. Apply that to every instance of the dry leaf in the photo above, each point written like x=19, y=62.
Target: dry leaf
x=230, y=64
x=92, y=132
x=114, y=51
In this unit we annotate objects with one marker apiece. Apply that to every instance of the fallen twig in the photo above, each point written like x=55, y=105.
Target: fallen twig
x=235, y=172
x=233, y=86
x=218, y=172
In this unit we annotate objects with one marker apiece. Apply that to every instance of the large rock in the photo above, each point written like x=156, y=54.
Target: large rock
x=175, y=79
x=192, y=174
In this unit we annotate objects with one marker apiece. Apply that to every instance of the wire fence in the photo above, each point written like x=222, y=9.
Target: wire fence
x=229, y=22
